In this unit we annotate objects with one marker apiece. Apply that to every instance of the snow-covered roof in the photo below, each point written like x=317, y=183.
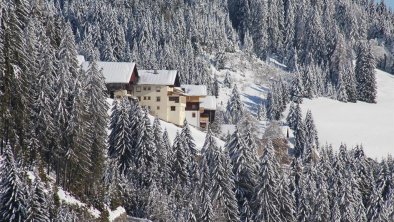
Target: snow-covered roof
x=114, y=72
x=81, y=59
x=157, y=77
x=195, y=90
x=208, y=103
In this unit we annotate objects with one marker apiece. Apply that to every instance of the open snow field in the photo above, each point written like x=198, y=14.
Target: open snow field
x=371, y=125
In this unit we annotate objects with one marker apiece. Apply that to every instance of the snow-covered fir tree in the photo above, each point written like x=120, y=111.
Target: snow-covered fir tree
x=244, y=171
x=12, y=196
x=38, y=205
x=365, y=74
x=268, y=201
x=179, y=163
x=299, y=133
x=97, y=119
x=120, y=137
x=162, y=154
x=235, y=107
x=228, y=82
x=223, y=194
x=311, y=131
x=191, y=153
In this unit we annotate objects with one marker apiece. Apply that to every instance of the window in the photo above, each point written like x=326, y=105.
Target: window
x=174, y=99
x=138, y=89
x=194, y=106
x=157, y=88
x=148, y=87
x=139, y=98
x=129, y=92
x=158, y=99
x=193, y=115
x=148, y=107
x=172, y=108
x=148, y=97
x=144, y=88
x=158, y=108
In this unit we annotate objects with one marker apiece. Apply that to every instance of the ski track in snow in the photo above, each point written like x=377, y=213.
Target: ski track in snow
x=371, y=125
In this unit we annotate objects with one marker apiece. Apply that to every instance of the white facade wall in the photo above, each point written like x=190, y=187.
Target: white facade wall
x=194, y=121
x=148, y=96
x=155, y=97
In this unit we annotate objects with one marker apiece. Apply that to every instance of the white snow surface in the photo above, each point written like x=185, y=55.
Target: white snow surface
x=116, y=213
x=195, y=90
x=157, y=77
x=81, y=59
x=68, y=199
x=114, y=72
x=31, y=176
x=371, y=125
x=198, y=136
x=208, y=102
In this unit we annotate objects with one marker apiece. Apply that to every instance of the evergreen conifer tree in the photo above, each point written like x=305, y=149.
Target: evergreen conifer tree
x=121, y=138
x=267, y=195
x=310, y=131
x=227, y=80
x=244, y=171
x=297, y=89
x=97, y=120
x=290, y=119
x=179, y=164
x=365, y=74
x=170, y=157
x=223, y=187
x=13, y=203
x=38, y=207
x=146, y=155
x=206, y=208
x=235, y=109
x=299, y=133
x=161, y=153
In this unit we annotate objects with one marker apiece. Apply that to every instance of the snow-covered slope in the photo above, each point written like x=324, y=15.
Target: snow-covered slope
x=199, y=136
x=371, y=125
x=69, y=199
x=251, y=75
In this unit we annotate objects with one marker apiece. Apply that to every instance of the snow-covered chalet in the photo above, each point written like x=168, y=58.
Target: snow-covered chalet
x=159, y=91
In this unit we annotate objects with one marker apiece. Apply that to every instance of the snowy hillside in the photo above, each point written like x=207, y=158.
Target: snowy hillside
x=199, y=136
x=251, y=75
x=371, y=125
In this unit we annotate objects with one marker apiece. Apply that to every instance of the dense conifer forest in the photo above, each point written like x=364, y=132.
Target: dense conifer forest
x=56, y=133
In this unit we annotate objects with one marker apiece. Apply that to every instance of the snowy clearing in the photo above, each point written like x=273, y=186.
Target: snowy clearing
x=116, y=213
x=371, y=125
x=68, y=199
